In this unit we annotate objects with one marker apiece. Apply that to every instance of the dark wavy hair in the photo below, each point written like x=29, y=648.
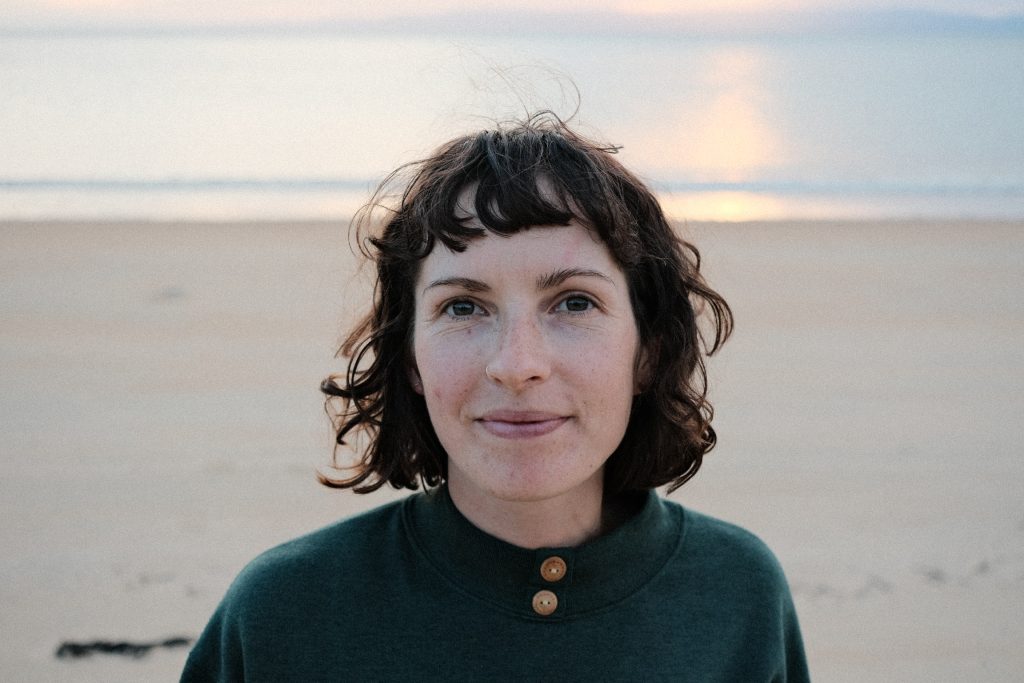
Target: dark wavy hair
x=669, y=428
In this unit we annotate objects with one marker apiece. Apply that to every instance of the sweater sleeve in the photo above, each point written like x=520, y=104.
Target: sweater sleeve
x=281, y=606
x=217, y=654
x=796, y=659
x=234, y=631
x=735, y=579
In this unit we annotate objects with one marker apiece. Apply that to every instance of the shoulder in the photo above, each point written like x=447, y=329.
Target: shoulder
x=725, y=553
x=723, y=541
x=346, y=533
x=316, y=563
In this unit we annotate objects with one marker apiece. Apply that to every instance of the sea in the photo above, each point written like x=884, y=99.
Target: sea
x=302, y=124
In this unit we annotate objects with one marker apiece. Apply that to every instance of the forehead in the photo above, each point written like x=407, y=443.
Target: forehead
x=530, y=253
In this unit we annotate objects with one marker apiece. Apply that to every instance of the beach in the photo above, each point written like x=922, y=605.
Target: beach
x=163, y=425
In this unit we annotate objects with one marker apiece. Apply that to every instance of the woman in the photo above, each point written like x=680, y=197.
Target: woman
x=533, y=360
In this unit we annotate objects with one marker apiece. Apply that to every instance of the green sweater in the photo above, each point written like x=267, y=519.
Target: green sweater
x=413, y=591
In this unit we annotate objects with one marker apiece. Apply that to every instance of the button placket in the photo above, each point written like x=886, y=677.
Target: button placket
x=551, y=579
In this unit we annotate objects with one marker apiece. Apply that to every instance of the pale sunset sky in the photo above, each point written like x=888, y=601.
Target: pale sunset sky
x=42, y=13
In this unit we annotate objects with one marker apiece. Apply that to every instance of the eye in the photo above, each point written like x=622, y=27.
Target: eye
x=460, y=309
x=576, y=303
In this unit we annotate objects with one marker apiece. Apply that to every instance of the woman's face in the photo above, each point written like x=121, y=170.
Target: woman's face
x=525, y=350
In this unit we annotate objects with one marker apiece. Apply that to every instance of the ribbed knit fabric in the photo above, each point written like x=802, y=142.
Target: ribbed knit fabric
x=413, y=591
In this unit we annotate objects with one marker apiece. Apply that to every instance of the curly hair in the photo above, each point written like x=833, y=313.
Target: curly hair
x=669, y=428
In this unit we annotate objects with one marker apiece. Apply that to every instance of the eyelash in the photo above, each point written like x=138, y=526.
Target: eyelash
x=448, y=308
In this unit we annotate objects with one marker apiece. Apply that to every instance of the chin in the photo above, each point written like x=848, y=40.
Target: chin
x=523, y=494
x=540, y=486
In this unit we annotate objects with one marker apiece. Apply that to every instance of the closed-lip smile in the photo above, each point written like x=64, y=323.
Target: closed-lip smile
x=521, y=424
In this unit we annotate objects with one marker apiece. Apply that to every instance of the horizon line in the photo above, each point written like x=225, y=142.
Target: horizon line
x=326, y=184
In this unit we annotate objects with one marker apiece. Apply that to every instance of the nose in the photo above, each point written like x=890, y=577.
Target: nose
x=521, y=357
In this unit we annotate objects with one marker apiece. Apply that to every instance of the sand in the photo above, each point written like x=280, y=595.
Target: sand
x=162, y=425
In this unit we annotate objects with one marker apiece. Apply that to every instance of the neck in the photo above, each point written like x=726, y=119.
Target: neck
x=563, y=521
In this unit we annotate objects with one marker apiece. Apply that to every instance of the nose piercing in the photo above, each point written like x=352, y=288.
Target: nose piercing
x=491, y=374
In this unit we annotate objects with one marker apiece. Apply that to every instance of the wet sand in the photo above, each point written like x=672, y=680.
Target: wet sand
x=162, y=425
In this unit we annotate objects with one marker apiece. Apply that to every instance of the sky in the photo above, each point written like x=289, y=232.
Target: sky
x=42, y=13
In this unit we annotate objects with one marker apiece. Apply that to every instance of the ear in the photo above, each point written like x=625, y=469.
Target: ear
x=642, y=371
x=414, y=380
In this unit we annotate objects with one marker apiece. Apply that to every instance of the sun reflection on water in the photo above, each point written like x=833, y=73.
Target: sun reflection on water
x=727, y=136
x=723, y=206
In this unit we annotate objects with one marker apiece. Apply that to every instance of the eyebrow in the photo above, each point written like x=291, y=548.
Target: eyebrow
x=543, y=282
x=467, y=283
x=559, y=276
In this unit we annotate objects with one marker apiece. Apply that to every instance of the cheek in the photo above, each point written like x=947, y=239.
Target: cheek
x=448, y=375
x=449, y=405
x=615, y=383
x=616, y=364
x=441, y=396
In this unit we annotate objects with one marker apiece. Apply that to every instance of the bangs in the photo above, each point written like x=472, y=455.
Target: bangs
x=507, y=181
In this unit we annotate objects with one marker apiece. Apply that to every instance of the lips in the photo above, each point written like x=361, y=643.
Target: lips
x=515, y=424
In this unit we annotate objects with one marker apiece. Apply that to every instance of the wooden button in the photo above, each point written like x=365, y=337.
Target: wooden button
x=545, y=602
x=553, y=569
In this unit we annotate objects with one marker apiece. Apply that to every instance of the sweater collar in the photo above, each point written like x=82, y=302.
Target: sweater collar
x=548, y=584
